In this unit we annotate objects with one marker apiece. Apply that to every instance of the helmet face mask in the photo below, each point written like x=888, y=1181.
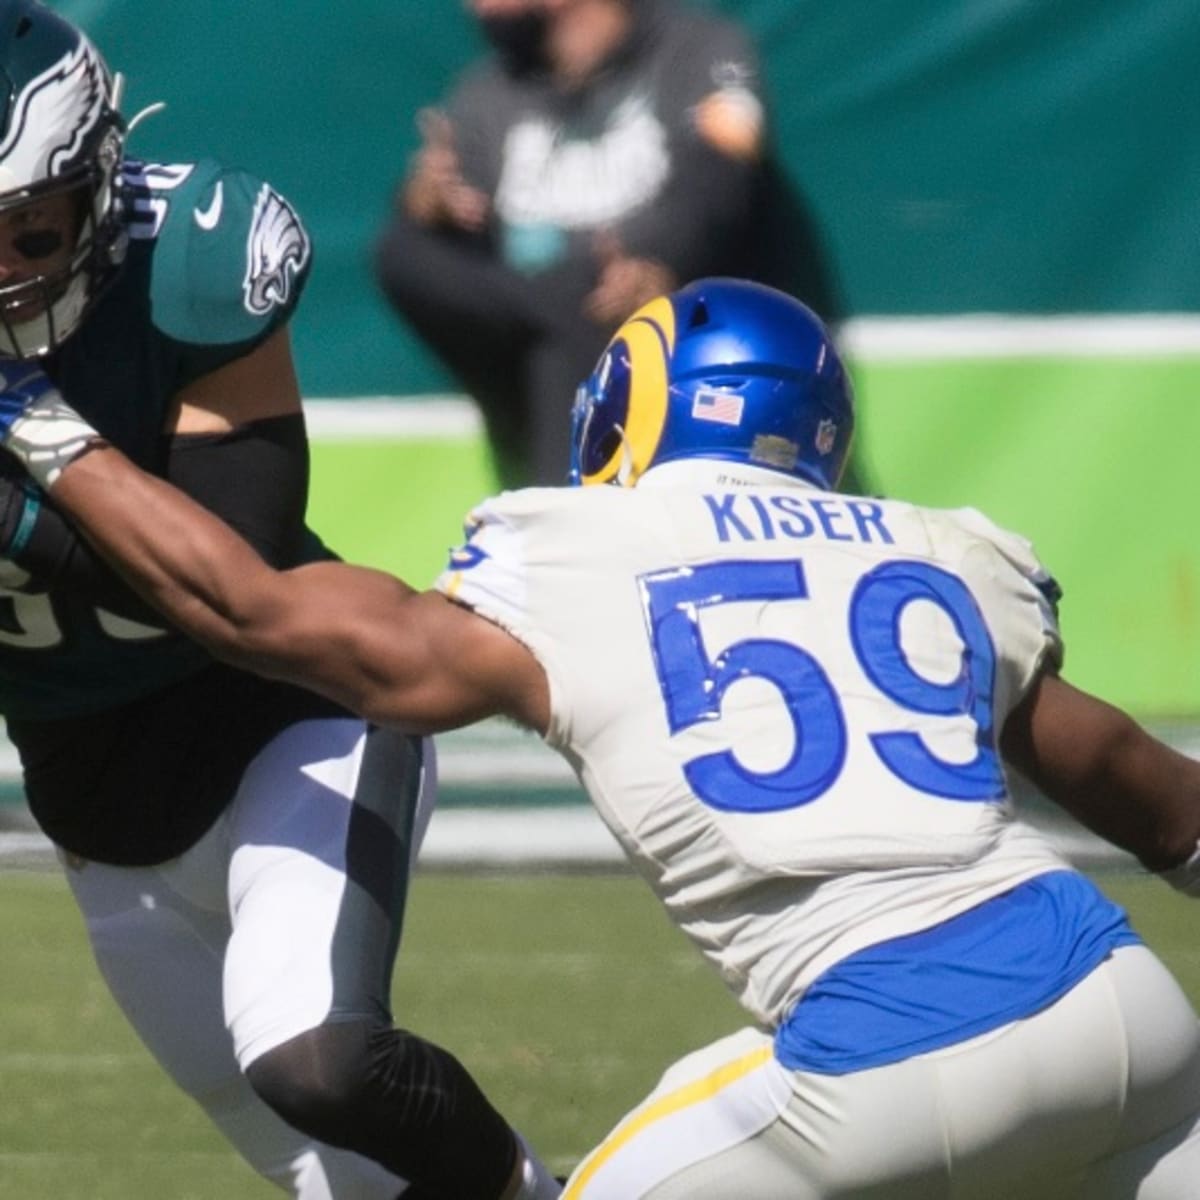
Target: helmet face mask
x=60, y=135
x=722, y=369
x=50, y=238
x=600, y=414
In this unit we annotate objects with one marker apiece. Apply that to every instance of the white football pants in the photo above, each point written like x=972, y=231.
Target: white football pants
x=1095, y=1098
x=257, y=934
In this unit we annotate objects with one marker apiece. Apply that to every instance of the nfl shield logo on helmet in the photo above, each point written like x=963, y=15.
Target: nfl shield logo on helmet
x=826, y=436
x=724, y=408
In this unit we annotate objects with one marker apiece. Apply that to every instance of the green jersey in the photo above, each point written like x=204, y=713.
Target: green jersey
x=215, y=263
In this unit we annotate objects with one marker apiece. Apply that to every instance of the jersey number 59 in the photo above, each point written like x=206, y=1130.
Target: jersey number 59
x=693, y=684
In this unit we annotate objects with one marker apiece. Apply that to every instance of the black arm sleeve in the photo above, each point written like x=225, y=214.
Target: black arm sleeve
x=255, y=478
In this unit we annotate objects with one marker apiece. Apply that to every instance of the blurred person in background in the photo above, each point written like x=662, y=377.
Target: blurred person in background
x=799, y=711
x=239, y=848
x=604, y=152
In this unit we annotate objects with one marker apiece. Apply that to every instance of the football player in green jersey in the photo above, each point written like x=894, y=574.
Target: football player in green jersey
x=239, y=848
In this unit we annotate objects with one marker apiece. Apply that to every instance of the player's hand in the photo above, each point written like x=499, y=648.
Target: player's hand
x=22, y=385
x=37, y=426
x=436, y=192
x=625, y=282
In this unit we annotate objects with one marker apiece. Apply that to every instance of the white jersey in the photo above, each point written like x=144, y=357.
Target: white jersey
x=783, y=702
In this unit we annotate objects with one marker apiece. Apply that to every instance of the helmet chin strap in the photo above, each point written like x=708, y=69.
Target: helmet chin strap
x=117, y=94
x=149, y=111
x=625, y=472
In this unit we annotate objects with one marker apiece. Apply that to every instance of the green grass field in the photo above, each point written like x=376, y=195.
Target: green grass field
x=565, y=994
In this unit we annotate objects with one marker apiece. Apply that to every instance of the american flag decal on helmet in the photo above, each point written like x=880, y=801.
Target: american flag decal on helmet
x=723, y=408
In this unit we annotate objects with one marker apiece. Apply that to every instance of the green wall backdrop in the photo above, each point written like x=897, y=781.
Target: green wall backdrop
x=1029, y=158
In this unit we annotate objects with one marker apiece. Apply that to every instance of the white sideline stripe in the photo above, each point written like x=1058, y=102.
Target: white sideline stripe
x=402, y=417
x=457, y=837
x=462, y=759
x=567, y=836
x=573, y=836
x=998, y=335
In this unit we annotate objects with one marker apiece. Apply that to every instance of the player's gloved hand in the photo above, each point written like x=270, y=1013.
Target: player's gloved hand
x=36, y=424
x=21, y=385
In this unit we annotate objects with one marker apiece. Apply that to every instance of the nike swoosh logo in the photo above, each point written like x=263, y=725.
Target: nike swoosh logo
x=207, y=218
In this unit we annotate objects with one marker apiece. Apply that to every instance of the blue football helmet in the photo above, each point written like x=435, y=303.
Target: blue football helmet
x=721, y=369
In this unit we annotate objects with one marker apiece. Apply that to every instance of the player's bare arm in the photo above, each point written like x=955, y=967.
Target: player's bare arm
x=359, y=636
x=1107, y=771
x=260, y=385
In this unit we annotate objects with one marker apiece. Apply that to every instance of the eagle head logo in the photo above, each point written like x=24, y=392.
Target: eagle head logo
x=277, y=252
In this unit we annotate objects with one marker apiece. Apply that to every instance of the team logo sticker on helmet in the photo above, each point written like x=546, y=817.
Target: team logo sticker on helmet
x=826, y=436
x=52, y=118
x=277, y=251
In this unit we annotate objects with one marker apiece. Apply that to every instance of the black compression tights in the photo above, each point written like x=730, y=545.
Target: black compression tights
x=394, y=1098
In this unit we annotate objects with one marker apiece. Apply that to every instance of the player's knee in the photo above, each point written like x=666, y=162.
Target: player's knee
x=317, y=1080
x=393, y=1097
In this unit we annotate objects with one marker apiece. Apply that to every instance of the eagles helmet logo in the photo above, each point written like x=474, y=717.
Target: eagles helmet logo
x=277, y=252
x=52, y=118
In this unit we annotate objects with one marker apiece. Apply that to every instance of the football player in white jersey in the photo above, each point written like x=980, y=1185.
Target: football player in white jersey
x=798, y=712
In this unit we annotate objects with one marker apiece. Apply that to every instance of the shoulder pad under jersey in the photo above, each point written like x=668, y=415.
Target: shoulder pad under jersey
x=1015, y=549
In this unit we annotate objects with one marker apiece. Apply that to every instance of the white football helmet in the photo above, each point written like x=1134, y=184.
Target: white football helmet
x=60, y=133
